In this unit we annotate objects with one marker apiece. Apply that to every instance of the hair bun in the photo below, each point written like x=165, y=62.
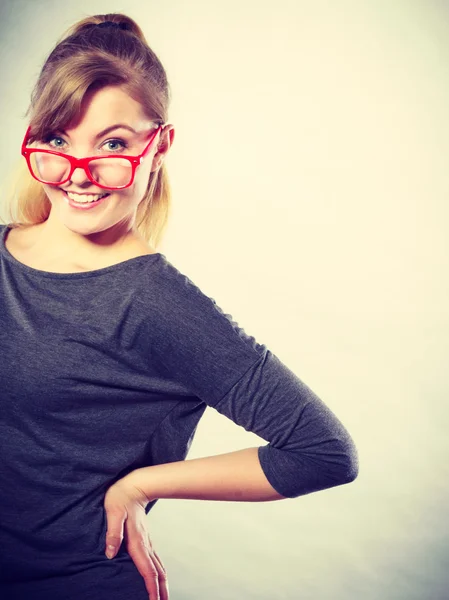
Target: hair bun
x=124, y=26
x=108, y=25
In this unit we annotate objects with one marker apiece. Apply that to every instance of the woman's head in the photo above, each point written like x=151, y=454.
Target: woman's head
x=98, y=76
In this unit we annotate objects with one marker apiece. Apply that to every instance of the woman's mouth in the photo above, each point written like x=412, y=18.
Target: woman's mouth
x=90, y=200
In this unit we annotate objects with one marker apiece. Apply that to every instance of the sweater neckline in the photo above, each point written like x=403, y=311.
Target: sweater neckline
x=121, y=266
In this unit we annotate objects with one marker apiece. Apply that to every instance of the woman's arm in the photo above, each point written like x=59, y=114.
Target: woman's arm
x=198, y=347
x=235, y=476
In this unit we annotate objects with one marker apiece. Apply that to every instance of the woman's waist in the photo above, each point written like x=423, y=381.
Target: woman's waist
x=76, y=577
x=42, y=530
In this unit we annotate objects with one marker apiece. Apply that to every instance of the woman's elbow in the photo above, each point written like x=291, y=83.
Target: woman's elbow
x=352, y=462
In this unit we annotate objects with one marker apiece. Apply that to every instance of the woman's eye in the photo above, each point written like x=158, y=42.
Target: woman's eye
x=50, y=138
x=121, y=142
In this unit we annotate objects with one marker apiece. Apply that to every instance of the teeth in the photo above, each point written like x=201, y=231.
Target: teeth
x=85, y=198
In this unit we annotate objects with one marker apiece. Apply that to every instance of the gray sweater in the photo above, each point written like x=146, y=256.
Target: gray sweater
x=110, y=370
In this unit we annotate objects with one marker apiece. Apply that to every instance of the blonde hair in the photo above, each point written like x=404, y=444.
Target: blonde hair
x=87, y=58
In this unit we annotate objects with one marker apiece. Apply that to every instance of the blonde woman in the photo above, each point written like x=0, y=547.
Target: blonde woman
x=110, y=355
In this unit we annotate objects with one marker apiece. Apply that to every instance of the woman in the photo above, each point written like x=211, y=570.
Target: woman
x=110, y=355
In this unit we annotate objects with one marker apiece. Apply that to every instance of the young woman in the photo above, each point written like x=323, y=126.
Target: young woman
x=110, y=355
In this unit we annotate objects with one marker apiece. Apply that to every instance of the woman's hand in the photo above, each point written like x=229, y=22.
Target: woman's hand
x=125, y=510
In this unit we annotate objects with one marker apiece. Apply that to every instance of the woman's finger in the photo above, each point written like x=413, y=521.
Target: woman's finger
x=141, y=551
x=116, y=518
x=159, y=561
x=163, y=580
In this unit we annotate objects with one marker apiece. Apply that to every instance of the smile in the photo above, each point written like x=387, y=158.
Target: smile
x=89, y=200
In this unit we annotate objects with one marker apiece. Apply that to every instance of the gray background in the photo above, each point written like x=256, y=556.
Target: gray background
x=310, y=183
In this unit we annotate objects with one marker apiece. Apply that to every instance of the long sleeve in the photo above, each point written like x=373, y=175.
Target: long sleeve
x=309, y=449
x=200, y=347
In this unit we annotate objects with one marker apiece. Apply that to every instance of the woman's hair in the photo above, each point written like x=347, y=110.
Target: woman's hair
x=86, y=58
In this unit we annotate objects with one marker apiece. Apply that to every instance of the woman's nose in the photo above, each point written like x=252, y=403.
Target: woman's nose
x=79, y=176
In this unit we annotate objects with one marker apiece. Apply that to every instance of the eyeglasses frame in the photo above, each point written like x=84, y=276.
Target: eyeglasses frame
x=84, y=162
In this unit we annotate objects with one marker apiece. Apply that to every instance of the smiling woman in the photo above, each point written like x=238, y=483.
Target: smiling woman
x=83, y=95
x=86, y=191
x=111, y=355
x=77, y=183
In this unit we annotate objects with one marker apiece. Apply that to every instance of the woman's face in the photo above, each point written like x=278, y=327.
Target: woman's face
x=104, y=108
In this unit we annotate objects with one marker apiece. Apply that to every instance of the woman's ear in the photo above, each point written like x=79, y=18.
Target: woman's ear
x=165, y=142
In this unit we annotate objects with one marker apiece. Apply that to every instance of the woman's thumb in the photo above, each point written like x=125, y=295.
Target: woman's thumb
x=114, y=535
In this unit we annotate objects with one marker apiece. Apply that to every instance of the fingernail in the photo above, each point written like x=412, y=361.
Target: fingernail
x=110, y=551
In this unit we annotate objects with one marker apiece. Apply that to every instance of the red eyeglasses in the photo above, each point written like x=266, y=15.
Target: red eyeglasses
x=110, y=171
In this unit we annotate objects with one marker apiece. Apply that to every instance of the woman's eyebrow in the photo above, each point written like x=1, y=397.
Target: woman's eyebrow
x=107, y=130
